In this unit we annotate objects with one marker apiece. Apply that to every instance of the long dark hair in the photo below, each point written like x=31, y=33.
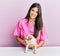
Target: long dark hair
x=38, y=22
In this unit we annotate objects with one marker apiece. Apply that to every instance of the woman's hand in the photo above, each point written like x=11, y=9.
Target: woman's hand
x=19, y=39
x=24, y=42
x=37, y=45
x=40, y=43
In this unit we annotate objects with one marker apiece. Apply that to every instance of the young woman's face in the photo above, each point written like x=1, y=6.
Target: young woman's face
x=33, y=13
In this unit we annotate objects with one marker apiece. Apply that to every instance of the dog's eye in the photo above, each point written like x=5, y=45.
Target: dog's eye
x=27, y=39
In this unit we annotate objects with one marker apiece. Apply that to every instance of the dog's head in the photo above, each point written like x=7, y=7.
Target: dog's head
x=29, y=37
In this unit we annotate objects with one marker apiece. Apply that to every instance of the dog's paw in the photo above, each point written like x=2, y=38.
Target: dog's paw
x=34, y=52
x=25, y=51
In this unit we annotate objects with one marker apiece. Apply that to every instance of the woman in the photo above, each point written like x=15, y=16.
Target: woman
x=31, y=24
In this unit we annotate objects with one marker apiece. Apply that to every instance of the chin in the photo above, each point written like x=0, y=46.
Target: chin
x=33, y=17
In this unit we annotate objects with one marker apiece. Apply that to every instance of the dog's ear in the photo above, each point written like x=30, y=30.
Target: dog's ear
x=29, y=37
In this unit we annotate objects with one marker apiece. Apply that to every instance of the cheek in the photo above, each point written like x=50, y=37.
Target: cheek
x=33, y=14
x=36, y=14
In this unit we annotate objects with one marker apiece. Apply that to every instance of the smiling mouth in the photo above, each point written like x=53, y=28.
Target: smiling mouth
x=33, y=15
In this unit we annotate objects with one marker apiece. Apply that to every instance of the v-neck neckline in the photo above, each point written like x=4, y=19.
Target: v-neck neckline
x=31, y=24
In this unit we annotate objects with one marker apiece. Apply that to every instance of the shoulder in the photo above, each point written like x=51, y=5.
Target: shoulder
x=23, y=20
x=43, y=29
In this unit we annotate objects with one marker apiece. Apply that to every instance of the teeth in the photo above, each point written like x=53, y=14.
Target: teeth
x=33, y=15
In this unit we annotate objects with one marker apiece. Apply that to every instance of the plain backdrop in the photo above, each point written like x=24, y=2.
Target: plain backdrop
x=13, y=10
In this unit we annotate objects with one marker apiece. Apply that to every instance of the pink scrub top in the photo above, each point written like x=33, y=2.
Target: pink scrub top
x=23, y=28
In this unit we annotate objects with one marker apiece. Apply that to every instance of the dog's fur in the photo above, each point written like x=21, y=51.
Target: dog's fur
x=30, y=40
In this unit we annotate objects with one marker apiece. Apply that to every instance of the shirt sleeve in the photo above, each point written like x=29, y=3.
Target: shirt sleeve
x=17, y=30
x=44, y=36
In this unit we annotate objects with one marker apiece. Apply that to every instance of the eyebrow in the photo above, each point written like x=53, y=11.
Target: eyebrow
x=33, y=9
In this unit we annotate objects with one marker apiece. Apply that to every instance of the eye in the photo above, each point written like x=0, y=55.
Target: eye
x=36, y=11
x=32, y=10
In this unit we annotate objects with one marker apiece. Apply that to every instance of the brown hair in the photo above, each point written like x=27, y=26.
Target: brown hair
x=38, y=22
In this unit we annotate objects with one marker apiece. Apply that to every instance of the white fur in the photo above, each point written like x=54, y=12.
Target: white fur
x=31, y=42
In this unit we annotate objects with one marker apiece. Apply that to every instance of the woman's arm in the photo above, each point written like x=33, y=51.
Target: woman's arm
x=40, y=43
x=20, y=40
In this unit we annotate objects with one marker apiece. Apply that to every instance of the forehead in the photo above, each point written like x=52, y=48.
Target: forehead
x=35, y=8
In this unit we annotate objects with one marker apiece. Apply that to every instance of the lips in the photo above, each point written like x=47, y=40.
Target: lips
x=33, y=16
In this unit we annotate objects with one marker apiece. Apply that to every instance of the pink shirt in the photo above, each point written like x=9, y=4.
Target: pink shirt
x=23, y=28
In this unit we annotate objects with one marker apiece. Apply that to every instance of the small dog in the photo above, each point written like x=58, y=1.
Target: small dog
x=30, y=40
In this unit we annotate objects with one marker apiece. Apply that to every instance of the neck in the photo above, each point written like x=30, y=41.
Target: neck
x=31, y=19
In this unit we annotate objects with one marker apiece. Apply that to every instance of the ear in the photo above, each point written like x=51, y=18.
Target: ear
x=27, y=37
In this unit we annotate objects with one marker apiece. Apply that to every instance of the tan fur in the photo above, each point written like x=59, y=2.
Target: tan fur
x=30, y=41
